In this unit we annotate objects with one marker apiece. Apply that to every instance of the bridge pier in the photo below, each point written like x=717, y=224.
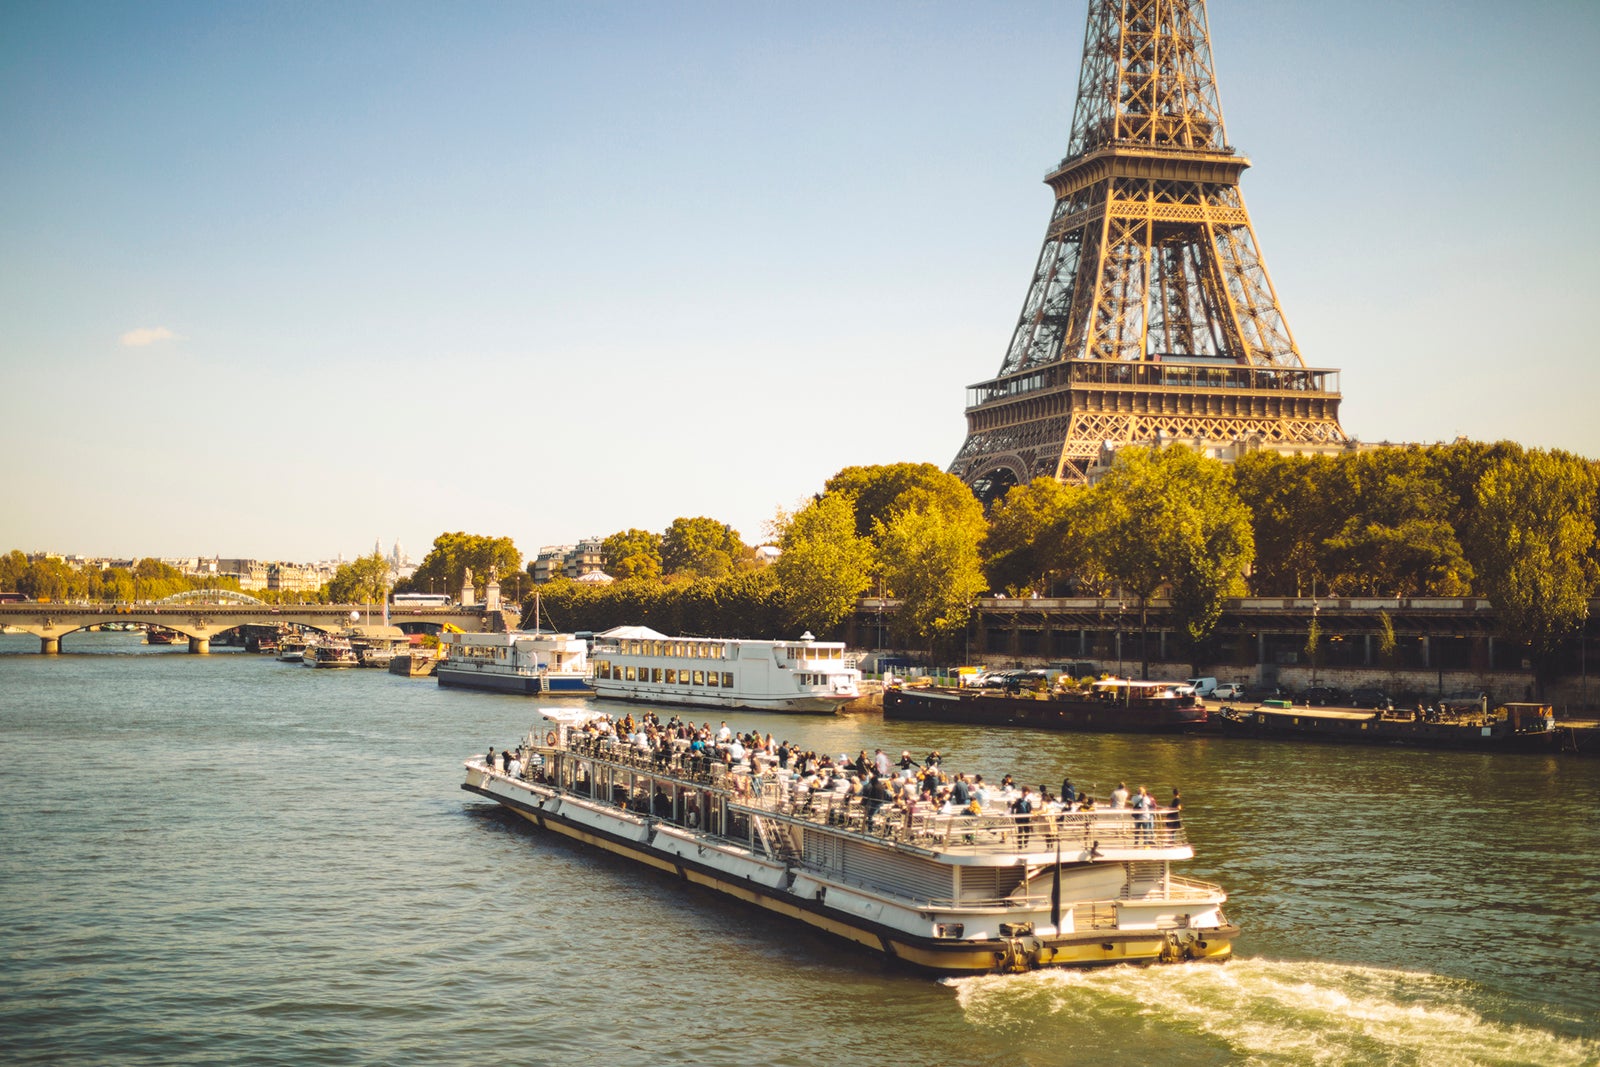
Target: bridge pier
x=200, y=646
x=49, y=646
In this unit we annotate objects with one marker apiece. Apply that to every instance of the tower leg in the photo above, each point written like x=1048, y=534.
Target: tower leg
x=199, y=646
x=49, y=646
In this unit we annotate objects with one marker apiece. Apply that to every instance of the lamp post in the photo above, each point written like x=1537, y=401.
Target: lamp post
x=1120, y=606
x=1316, y=638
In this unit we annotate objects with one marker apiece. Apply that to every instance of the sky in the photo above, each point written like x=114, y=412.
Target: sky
x=278, y=280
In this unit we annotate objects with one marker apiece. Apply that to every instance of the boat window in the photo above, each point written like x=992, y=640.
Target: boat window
x=655, y=675
x=672, y=676
x=711, y=679
x=727, y=679
x=699, y=677
x=628, y=675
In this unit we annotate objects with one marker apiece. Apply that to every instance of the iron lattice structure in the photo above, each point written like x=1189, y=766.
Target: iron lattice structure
x=1150, y=315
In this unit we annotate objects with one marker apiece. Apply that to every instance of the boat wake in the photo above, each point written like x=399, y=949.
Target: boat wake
x=1265, y=1011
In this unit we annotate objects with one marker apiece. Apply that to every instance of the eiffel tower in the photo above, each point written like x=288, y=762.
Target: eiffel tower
x=1150, y=316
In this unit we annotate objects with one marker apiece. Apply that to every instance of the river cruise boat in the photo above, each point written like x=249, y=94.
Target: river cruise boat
x=291, y=648
x=330, y=650
x=954, y=894
x=1112, y=705
x=807, y=675
x=516, y=661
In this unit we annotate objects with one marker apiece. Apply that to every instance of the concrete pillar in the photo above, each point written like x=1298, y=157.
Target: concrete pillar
x=49, y=646
x=1426, y=652
x=199, y=646
x=1366, y=651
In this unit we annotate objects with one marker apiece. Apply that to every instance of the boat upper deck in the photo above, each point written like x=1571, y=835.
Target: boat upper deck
x=654, y=783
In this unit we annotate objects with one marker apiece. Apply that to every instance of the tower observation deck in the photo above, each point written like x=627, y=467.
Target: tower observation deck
x=1150, y=316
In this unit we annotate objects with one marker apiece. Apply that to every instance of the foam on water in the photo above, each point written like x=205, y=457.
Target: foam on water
x=1266, y=1011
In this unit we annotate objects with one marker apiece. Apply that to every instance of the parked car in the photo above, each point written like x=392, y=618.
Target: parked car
x=1317, y=696
x=1228, y=691
x=1258, y=693
x=1370, y=698
x=1203, y=687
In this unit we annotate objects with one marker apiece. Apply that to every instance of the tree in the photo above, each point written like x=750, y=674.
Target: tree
x=364, y=581
x=825, y=565
x=929, y=555
x=703, y=547
x=1396, y=537
x=1533, y=538
x=1289, y=498
x=1018, y=548
x=881, y=492
x=1171, y=517
x=632, y=553
x=453, y=553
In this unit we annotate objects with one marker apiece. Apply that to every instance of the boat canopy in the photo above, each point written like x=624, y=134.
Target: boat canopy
x=631, y=633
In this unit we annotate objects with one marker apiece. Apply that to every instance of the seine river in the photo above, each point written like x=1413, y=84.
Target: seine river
x=229, y=859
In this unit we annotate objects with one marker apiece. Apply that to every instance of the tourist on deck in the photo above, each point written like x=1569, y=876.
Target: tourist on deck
x=1119, y=795
x=1069, y=795
x=881, y=763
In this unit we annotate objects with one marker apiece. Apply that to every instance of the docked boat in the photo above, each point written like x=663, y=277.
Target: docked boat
x=1113, y=705
x=330, y=650
x=955, y=894
x=291, y=648
x=1509, y=728
x=160, y=635
x=515, y=661
x=417, y=663
x=636, y=663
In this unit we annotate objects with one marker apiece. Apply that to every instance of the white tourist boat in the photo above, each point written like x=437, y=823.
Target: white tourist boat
x=329, y=650
x=291, y=648
x=637, y=663
x=516, y=661
x=992, y=892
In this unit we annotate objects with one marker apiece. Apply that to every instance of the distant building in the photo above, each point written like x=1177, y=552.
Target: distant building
x=570, y=561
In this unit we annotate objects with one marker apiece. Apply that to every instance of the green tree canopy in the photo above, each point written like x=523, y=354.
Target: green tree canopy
x=825, y=566
x=1395, y=536
x=702, y=547
x=364, y=581
x=1533, y=538
x=882, y=491
x=1171, y=517
x=452, y=553
x=928, y=552
x=632, y=553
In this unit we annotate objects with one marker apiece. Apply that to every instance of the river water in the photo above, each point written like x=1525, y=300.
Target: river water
x=229, y=859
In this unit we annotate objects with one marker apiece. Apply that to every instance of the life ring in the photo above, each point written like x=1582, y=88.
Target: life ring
x=550, y=738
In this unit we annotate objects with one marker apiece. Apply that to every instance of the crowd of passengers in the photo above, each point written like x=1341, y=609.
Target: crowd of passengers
x=878, y=781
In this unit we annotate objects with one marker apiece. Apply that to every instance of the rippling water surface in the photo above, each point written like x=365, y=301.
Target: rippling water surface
x=226, y=858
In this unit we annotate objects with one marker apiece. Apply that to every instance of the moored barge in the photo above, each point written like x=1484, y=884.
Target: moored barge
x=1113, y=705
x=954, y=894
x=1510, y=728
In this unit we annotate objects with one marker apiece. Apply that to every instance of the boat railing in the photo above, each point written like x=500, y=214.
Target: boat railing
x=918, y=826
x=1075, y=833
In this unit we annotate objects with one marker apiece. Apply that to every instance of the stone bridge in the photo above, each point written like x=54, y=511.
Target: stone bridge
x=201, y=620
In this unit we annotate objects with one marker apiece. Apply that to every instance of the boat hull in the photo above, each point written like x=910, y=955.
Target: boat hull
x=1092, y=948
x=509, y=682
x=1306, y=724
x=1088, y=716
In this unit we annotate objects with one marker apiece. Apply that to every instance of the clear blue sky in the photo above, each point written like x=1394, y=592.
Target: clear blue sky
x=277, y=279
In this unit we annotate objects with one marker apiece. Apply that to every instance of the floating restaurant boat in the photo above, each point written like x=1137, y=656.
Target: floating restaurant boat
x=515, y=661
x=956, y=894
x=291, y=648
x=160, y=635
x=1509, y=728
x=637, y=663
x=1113, y=705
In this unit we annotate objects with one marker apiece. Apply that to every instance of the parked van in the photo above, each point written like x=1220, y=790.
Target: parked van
x=1202, y=686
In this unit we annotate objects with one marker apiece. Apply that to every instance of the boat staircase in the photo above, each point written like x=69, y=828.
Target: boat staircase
x=777, y=841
